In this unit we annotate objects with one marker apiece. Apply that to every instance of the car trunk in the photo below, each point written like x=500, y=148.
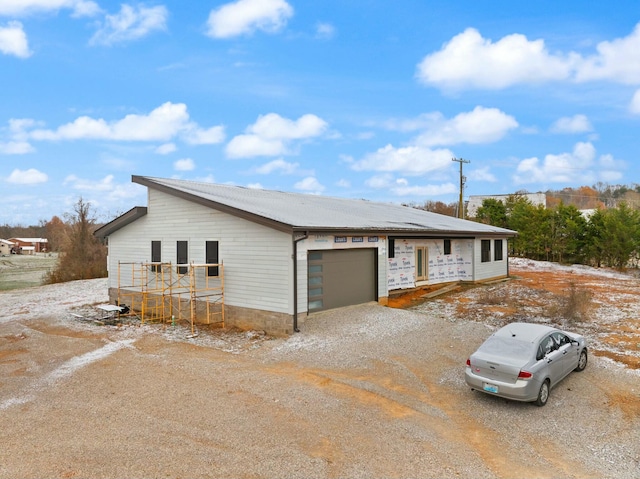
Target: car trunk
x=501, y=359
x=496, y=368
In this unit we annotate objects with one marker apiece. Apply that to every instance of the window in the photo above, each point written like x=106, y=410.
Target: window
x=392, y=248
x=182, y=257
x=447, y=246
x=497, y=250
x=211, y=257
x=156, y=255
x=485, y=251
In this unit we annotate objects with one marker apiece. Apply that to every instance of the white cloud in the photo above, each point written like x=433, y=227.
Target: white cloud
x=164, y=123
x=634, y=106
x=384, y=181
x=470, y=61
x=579, y=166
x=611, y=168
x=166, y=148
x=310, y=185
x=105, y=184
x=425, y=190
x=402, y=187
x=15, y=148
x=27, y=177
x=247, y=16
x=572, y=124
x=200, y=136
x=482, y=125
x=271, y=135
x=105, y=190
x=13, y=40
x=280, y=165
x=325, y=31
x=482, y=174
x=617, y=61
x=411, y=160
x=184, y=164
x=247, y=146
x=79, y=8
x=130, y=23
x=343, y=183
x=273, y=126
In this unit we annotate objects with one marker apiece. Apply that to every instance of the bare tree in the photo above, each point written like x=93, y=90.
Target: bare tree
x=82, y=255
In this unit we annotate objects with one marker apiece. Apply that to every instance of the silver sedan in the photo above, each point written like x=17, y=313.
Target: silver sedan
x=523, y=361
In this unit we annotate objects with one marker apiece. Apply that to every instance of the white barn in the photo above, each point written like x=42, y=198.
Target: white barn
x=287, y=255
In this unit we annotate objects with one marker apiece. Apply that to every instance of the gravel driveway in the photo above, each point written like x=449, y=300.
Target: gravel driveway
x=365, y=391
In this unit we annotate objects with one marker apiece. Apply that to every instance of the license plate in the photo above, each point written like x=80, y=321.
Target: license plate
x=490, y=388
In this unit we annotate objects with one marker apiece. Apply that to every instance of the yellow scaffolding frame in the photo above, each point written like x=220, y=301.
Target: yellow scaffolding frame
x=167, y=292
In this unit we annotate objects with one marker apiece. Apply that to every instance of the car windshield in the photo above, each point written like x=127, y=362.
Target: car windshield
x=507, y=347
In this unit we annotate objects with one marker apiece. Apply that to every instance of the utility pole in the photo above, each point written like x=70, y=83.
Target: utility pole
x=462, y=180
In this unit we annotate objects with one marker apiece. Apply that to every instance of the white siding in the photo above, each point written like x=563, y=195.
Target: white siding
x=492, y=268
x=258, y=270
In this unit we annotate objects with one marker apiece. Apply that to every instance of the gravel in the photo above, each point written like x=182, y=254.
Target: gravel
x=364, y=391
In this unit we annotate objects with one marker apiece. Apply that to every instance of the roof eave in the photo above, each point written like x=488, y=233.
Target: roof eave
x=121, y=221
x=404, y=232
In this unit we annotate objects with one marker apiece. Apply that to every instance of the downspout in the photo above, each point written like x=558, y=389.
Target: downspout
x=297, y=239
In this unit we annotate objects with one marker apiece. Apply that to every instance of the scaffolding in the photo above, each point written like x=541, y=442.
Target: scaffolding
x=172, y=293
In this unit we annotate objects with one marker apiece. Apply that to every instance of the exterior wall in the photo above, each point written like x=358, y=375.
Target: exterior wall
x=463, y=264
x=491, y=269
x=258, y=270
x=320, y=242
x=441, y=268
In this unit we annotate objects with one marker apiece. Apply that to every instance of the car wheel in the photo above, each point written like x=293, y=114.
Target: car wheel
x=543, y=394
x=582, y=362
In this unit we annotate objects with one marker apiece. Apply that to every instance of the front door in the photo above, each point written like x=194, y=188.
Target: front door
x=422, y=254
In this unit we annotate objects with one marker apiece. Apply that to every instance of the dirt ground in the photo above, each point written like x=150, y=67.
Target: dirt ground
x=366, y=391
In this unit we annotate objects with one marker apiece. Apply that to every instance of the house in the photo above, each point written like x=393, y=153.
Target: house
x=30, y=245
x=5, y=247
x=287, y=255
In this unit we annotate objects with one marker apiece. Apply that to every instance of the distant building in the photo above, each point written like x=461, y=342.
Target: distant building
x=5, y=247
x=475, y=201
x=30, y=245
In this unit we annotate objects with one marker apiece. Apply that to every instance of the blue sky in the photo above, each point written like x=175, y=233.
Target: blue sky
x=358, y=99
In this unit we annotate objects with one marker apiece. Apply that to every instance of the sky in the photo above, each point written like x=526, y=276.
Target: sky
x=356, y=99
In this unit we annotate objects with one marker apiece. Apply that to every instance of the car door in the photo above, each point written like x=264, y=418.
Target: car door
x=553, y=359
x=569, y=352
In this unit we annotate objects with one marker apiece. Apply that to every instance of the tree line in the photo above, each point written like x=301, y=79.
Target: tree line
x=565, y=234
x=595, y=225
x=80, y=254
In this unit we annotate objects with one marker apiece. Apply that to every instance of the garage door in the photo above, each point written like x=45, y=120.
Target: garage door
x=340, y=278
